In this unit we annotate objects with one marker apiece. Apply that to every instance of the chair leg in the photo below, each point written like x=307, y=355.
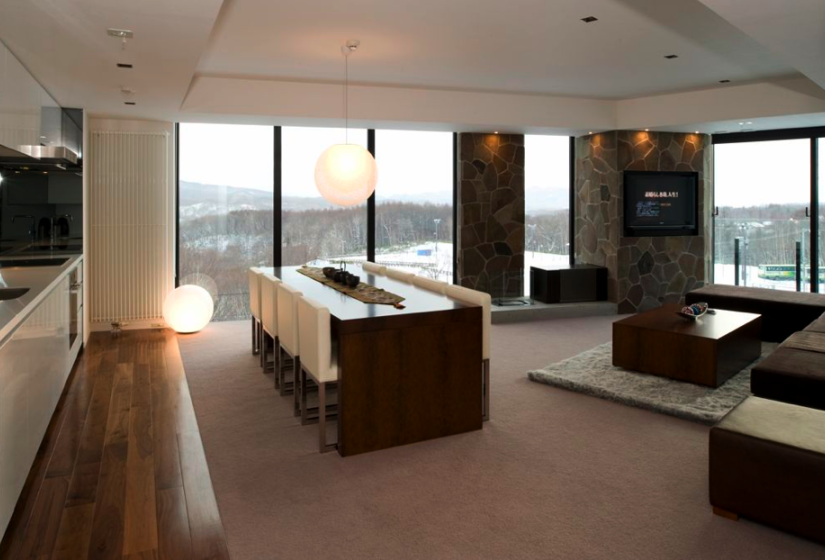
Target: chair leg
x=486, y=389
x=299, y=384
x=254, y=335
x=303, y=405
x=280, y=352
x=322, y=421
x=261, y=342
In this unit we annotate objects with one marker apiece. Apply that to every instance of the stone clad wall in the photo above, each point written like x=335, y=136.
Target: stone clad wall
x=643, y=272
x=491, y=213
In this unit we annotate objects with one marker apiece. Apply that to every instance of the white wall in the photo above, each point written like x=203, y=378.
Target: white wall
x=131, y=227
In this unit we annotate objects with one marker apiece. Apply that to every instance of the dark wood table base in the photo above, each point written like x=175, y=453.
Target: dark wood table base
x=707, y=351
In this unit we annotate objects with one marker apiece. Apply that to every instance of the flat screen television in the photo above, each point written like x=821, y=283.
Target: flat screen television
x=660, y=203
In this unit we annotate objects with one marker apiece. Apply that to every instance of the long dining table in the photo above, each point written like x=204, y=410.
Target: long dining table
x=404, y=375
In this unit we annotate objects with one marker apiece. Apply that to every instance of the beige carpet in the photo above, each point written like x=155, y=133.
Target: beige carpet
x=555, y=474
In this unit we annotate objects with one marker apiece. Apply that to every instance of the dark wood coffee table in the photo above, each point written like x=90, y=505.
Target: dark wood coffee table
x=707, y=351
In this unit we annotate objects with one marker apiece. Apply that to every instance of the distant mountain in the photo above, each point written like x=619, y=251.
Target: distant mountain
x=199, y=199
x=540, y=201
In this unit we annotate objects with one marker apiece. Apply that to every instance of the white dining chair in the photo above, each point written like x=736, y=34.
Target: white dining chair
x=400, y=275
x=474, y=297
x=318, y=360
x=373, y=268
x=289, y=341
x=254, y=277
x=430, y=284
x=269, y=319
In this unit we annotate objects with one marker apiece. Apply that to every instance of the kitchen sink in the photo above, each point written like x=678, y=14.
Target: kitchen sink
x=32, y=262
x=12, y=293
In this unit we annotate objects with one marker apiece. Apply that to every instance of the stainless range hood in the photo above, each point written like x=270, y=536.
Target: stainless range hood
x=58, y=155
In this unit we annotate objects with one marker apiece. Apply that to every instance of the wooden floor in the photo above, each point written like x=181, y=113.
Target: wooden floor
x=121, y=472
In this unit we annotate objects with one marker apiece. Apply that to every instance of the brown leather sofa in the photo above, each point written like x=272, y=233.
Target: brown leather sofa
x=783, y=313
x=795, y=371
x=767, y=461
x=767, y=456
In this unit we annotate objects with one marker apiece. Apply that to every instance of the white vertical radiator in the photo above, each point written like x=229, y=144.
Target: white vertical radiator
x=129, y=249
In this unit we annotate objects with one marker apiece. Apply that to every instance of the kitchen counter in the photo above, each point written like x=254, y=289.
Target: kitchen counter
x=40, y=281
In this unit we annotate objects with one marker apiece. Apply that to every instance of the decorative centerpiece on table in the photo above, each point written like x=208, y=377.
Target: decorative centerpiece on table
x=350, y=284
x=694, y=311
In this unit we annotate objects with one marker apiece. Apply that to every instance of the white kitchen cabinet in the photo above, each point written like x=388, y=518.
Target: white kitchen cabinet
x=35, y=362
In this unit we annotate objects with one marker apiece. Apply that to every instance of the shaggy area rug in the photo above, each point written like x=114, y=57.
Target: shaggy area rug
x=593, y=373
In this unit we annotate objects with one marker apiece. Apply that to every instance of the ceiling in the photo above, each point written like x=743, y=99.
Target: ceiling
x=534, y=47
x=65, y=46
x=526, y=46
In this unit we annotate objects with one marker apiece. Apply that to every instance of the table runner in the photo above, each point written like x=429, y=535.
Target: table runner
x=362, y=292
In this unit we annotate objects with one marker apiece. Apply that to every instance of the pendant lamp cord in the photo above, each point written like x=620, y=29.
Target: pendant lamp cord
x=346, y=97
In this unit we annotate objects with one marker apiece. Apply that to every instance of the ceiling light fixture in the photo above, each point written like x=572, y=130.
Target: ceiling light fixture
x=697, y=132
x=346, y=174
x=671, y=56
x=129, y=103
x=589, y=19
x=1, y=178
x=724, y=81
x=496, y=132
x=647, y=130
x=124, y=65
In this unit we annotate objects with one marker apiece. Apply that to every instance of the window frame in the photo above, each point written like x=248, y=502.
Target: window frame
x=813, y=134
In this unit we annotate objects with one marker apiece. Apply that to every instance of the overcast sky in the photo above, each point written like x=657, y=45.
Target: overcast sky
x=760, y=173
x=409, y=162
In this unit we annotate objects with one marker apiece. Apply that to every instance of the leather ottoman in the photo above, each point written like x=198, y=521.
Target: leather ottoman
x=767, y=461
x=795, y=372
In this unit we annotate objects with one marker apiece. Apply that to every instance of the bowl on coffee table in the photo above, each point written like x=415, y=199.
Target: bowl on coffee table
x=693, y=311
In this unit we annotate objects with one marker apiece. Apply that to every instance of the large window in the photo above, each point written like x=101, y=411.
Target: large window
x=226, y=223
x=762, y=192
x=312, y=228
x=546, y=202
x=821, y=194
x=414, y=202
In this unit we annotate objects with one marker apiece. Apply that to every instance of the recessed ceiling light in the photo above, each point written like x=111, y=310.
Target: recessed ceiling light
x=697, y=132
x=496, y=132
x=671, y=56
x=741, y=124
x=120, y=33
x=647, y=130
x=591, y=132
x=124, y=65
x=749, y=122
x=589, y=19
x=724, y=81
x=129, y=103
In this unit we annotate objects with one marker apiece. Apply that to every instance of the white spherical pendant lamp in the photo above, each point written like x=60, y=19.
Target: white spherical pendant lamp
x=188, y=309
x=346, y=174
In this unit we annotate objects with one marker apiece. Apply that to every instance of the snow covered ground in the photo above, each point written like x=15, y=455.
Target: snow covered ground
x=725, y=274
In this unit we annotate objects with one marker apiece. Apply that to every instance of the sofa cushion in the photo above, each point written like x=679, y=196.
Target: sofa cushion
x=783, y=312
x=818, y=325
x=766, y=463
x=794, y=372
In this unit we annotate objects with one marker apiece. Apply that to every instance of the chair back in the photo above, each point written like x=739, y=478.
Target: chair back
x=269, y=303
x=316, y=339
x=430, y=284
x=474, y=297
x=254, y=275
x=374, y=268
x=288, y=318
x=400, y=275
